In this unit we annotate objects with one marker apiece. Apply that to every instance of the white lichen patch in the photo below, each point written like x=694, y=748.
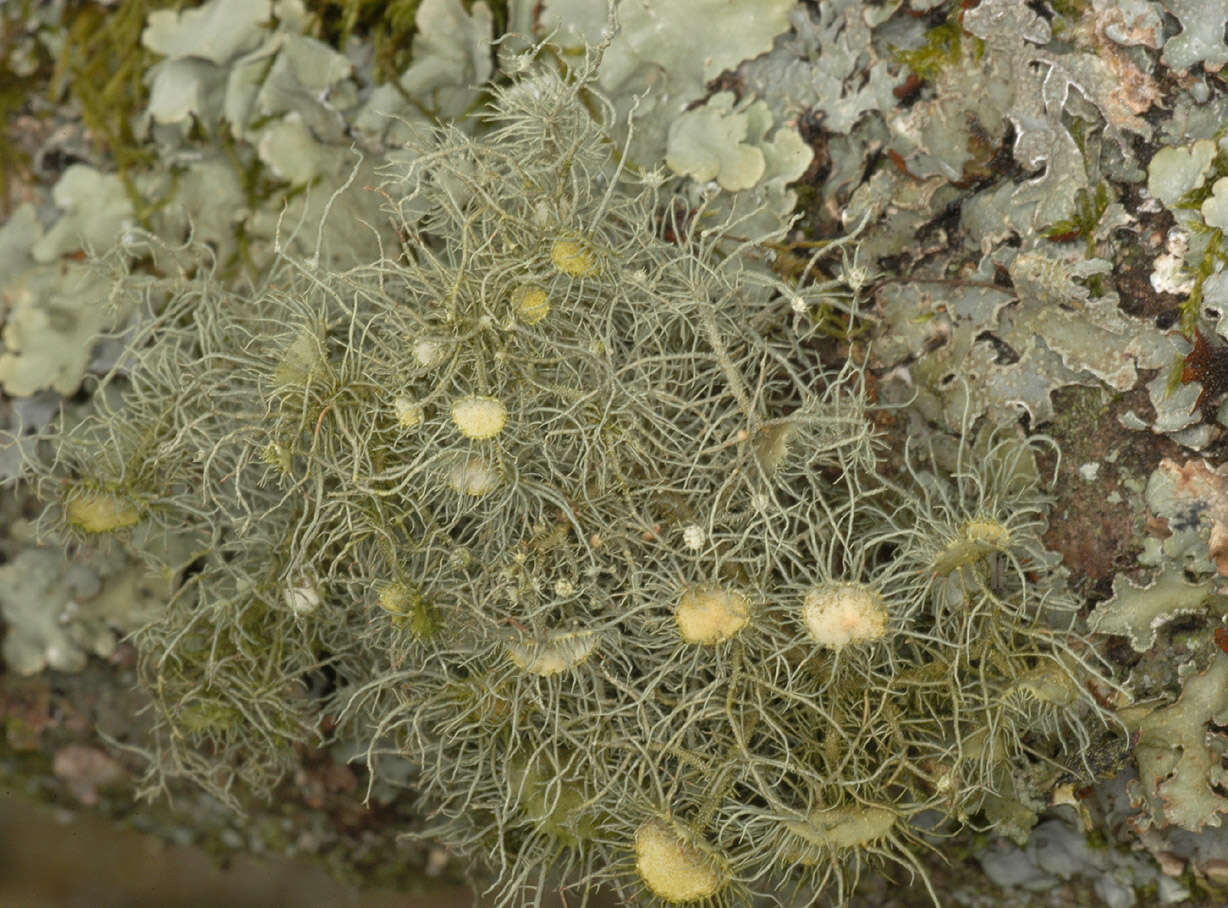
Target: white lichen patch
x=711, y=614
x=694, y=537
x=101, y=512
x=479, y=418
x=676, y=869
x=980, y=537
x=839, y=614
x=472, y=476
x=553, y=654
x=574, y=257
x=530, y=304
x=302, y=600
x=428, y=353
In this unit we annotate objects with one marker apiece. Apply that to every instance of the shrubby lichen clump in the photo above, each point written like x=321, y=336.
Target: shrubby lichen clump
x=557, y=506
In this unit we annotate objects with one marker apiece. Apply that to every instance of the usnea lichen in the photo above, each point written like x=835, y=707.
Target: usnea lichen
x=557, y=511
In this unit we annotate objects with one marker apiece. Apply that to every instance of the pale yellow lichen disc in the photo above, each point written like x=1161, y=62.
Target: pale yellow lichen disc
x=574, y=257
x=554, y=654
x=395, y=598
x=848, y=827
x=710, y=614
x=278, y=456
x=1049, y=683
x=479, y=417
x=530, y=303
x=825, y=830
x=404, y=607
x=100, y=512
x=409, y=412
x=837, y=614
x=981, y=536
x=672, y=867
x=987, y=532
x=473, y=476
x=301, y=361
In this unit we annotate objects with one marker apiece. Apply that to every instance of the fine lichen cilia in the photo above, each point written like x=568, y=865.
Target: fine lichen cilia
x=556, y=512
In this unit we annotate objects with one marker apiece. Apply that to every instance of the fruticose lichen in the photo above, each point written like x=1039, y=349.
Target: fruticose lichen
x=605, y=567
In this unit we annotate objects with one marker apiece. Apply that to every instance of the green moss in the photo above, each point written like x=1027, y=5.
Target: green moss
x=16, y=88
x=388, y=24
x=1191, y=307
x=102, y=66
x=943, y=45
x=1071, y=9
x=1089, y=208
x=1067, y=14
